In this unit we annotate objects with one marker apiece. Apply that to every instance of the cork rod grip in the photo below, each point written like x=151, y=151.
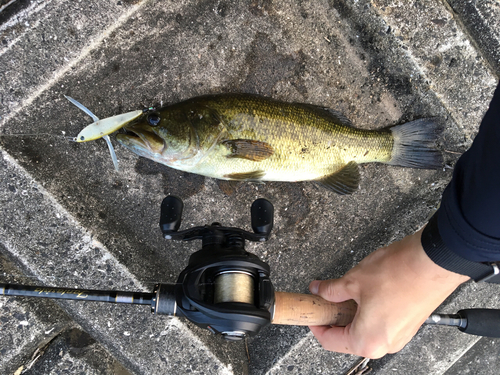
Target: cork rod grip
x=310, y=310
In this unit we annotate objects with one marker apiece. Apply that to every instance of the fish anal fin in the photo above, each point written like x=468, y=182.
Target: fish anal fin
x=344, y=181
x=246, y=176
x=248, y=149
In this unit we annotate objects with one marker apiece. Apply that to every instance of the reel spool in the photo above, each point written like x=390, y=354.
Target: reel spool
x=234, y=286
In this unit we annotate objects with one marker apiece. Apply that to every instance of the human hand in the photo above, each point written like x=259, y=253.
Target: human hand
x=396, y=288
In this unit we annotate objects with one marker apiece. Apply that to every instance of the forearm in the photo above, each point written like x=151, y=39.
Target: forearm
x=466, y=228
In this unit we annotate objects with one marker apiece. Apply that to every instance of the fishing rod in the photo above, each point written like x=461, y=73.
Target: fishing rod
x=228, y=291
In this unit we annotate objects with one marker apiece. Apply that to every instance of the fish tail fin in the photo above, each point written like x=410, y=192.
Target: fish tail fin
x=413, y=144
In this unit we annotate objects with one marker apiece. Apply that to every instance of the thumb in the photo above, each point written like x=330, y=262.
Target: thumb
x=332, y=290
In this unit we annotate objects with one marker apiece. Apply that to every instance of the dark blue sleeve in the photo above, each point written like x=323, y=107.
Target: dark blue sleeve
x=466, y=228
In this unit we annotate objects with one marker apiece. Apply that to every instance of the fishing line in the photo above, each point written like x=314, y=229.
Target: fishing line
x=98, y=129
x=69, y=139
x=65, y=137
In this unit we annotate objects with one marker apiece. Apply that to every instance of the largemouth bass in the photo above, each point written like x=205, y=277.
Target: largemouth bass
x=251, y=138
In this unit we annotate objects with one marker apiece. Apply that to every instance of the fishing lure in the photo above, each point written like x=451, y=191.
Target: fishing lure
x=101, y=128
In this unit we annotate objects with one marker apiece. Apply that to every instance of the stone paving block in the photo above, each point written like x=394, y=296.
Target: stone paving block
x=447, y=59
x=482, y=21
x=482, y=358
x=307, y=357
x=74, y=352
x=45, y=40
x=65, y=253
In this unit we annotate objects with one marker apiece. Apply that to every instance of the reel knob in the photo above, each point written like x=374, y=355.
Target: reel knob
x=171, y=215
x=262, y=214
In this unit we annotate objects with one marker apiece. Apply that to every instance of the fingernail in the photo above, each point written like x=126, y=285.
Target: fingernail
x=314, y=286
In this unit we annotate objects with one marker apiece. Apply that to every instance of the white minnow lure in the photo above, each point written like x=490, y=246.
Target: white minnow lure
x=101, y=128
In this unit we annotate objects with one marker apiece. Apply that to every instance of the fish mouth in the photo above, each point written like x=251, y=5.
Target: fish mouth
x=138, y=137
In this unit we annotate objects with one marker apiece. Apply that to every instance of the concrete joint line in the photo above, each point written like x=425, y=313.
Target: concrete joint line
x=71, y=309
x=461, y=353
x=275, y=368
x=23, y=14
x=441, y=90
x=94, y=44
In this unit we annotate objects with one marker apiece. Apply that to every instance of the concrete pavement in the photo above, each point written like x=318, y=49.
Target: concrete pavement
x=67, y=219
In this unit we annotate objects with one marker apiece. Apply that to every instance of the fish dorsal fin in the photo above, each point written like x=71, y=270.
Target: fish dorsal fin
x=335, y=116
x=340, y=117
x=248, y=149
x=344, y=181
x=246, y=176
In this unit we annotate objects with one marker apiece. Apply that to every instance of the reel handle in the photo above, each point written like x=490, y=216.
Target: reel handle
x=262, y=214
x=310, y=310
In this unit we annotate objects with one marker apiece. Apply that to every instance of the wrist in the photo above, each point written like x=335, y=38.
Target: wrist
x=432, y=270
x=439, y=253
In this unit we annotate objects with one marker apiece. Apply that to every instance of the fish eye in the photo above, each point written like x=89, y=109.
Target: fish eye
x=153, y=119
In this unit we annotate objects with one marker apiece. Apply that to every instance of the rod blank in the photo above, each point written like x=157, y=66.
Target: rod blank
x=77, y=294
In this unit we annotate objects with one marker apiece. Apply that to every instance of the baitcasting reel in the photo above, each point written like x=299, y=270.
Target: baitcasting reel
x=224, y=288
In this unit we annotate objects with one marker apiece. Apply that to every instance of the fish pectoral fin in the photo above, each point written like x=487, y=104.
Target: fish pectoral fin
x=246, y=176
x=344, y=181
x=248, y=149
